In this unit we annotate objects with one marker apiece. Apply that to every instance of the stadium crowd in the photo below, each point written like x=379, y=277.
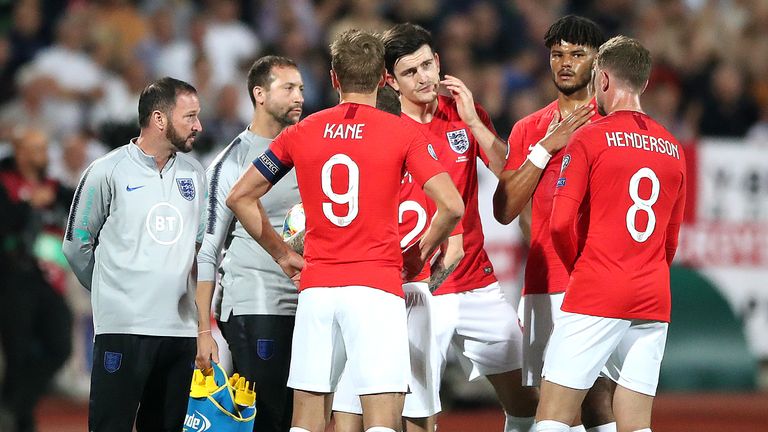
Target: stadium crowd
x=75, y=68
x=72, y=72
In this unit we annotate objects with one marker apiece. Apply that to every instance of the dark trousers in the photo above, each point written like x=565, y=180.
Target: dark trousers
x=36, y=333
x=261, y=351
x=140, y=378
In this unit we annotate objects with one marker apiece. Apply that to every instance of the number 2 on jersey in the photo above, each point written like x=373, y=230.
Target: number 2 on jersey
x=641, y=204
x=421, y=220
x=350, y=197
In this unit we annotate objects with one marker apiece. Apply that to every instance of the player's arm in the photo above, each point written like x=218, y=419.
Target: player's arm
x=569, y=194
x=452, y=251
x=479, y=123
x=673, y=229
x=215, y=219
x=87, y=215
x=244, y=202
x=450, y=209
x=516, y=186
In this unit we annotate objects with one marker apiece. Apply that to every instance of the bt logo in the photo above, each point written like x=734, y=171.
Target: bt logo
x=164, y=223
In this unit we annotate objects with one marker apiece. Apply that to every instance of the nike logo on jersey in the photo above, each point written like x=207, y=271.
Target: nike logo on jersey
x=129, y=188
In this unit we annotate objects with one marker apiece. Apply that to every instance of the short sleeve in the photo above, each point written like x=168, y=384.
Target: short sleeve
x=421, y=159
x=517, y=150
x=277, y=160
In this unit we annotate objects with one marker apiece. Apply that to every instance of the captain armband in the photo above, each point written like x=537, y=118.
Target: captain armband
x=270, y=167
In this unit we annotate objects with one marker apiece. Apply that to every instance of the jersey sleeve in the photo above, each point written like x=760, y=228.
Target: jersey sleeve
x=517, y=149
x=87, y=215
x=574, y=171
x=217, y=217
x=673, y=229
x=420, y=159
x=569, y=193
x=486, y=119
x=276, y=161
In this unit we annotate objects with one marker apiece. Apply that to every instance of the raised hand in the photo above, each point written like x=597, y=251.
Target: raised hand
x=559, y=131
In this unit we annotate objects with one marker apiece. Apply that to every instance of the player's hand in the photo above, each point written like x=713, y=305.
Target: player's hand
x=291, y=263
x=207, y=350
x=413, y=262
x=465, y=102
x=559, y=131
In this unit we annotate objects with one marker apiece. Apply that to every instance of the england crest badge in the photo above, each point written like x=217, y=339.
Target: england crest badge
x=112, y=361
x=186, y=188
x=459, y=140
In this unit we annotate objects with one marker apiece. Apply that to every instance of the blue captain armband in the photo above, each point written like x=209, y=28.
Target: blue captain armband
x=270, y=166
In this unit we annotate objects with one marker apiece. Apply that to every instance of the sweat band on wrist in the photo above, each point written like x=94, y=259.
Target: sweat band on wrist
x=539, y=156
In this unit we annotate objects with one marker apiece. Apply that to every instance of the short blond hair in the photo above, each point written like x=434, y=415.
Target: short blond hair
x=628, y=59
x=357, y=58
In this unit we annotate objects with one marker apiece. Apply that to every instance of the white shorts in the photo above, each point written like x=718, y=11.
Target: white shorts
x=483, y=328
x=358, y=328
x=537, y=317
x=424, y=397
x=628, y=351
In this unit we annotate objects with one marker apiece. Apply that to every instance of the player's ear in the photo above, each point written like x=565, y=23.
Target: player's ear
x=335, y=80
x=158, y=118
x=383, y=80
x=392, y=82
x=644, y=87
x=604, y=81
x=258, y=94
x=437, y=63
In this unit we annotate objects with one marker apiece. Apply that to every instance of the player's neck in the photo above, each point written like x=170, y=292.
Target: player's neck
x=623, y=100
x=265, y=126
x=358, y=98
x=155, y=147
x=568, y=103
x=422, y=113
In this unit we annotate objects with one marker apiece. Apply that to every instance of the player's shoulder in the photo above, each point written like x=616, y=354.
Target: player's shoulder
x=232, y=154
x=595, y=127
x=187, y=161
x=105, y=165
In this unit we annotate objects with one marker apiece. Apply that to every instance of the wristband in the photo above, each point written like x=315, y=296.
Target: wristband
x=204, y=331
x=539, y=156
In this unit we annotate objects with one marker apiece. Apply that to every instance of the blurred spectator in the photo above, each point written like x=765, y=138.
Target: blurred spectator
x=224, y=124
x=35, y=327
x=26, y=37
x=70, y=159
x=121, y=23
x=163, y=53
x=272, y=19
x=121, y=96
x=228, y=42
x=361, y=14
x=72, y=79
x=727, y=110
x=29, y=108
x=6, y=74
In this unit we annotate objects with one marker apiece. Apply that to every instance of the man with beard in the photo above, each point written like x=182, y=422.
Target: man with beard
x=526, y=188
x=469, y=310
x=257, y=309
x=131, y=239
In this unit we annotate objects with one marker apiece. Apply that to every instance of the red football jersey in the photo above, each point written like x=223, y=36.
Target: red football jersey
x=627, y=175
x=349, y=165
x=544, y=272
x=415, y=215
x=458, y=150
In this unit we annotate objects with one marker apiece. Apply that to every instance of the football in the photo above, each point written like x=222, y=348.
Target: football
x=294, y=221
